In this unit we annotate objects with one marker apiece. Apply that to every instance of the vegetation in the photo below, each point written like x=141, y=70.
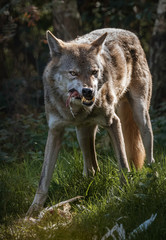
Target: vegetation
x=106, y=201
x=23, y=47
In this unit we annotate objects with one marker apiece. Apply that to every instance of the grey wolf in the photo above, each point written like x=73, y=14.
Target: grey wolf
x=99, y=79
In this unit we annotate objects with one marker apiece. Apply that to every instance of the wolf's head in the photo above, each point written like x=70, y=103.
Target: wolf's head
x=77, y=68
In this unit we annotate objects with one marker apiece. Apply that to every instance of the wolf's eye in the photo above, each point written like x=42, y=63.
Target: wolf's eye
x=73, y=73
x=94, y=72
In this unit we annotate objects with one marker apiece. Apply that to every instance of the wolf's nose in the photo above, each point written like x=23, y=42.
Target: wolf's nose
x=87, y=92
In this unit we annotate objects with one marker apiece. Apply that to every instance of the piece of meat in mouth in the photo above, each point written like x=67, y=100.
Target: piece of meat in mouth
x=73, y=93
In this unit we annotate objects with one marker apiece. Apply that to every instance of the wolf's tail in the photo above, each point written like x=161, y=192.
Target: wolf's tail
x=134, y=147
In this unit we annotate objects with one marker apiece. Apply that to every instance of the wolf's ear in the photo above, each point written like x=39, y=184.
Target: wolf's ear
x=99, y=41
x=55, y=44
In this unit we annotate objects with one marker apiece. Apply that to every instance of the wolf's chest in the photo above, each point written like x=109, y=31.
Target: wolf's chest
x=76, y=119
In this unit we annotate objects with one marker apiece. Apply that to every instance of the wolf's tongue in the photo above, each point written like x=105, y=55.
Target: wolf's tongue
x=71, y=94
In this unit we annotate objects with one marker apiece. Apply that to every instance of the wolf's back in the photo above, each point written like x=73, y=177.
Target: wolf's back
x=113, y=34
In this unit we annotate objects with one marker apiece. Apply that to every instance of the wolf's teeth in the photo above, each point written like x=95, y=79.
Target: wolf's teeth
x=86, y=100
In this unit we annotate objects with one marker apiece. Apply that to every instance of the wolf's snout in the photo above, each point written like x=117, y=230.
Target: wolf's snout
x=87, y=93
x=88, y=96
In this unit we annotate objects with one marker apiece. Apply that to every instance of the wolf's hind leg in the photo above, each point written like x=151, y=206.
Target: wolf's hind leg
x=133, y=142
x=51, y=153
x=142, y=119
x=86, y=138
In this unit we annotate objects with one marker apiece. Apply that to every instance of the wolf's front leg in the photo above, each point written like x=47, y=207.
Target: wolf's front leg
x=51, y=153
x=115, y=132
x=86, y=137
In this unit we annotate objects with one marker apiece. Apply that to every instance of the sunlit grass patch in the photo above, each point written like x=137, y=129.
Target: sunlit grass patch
x=105, y=203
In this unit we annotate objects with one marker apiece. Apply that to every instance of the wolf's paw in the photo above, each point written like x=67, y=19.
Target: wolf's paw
x=125, y=176
x=34, y=210
x=151, y=161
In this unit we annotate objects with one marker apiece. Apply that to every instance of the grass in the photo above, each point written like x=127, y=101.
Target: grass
x=106, y=201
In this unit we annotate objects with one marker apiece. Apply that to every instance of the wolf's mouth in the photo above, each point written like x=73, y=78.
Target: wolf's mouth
x=87, y=102
x=73, y=93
